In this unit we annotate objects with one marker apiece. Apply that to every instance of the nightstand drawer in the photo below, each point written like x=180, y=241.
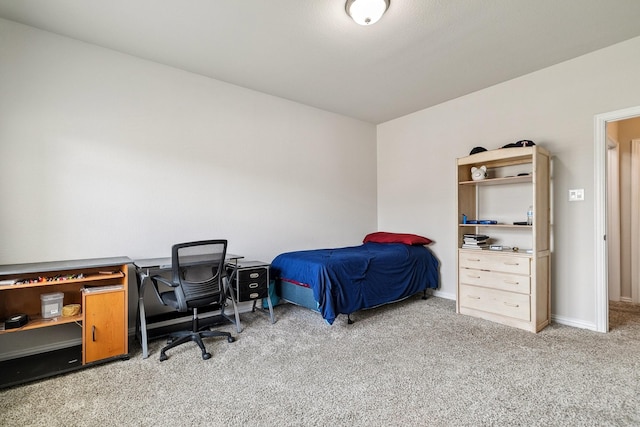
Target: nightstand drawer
x=251, y=290
x=252, y=275
x=494, y=301
x=494, y=280
x=495, y=262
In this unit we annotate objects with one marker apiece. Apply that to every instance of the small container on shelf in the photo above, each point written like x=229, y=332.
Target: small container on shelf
x=51, y=304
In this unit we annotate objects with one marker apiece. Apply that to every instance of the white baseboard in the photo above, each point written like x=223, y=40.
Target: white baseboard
x=445, y=295
x=243, y=307
x=38, y=349
x=554, y=318
x=573, y=322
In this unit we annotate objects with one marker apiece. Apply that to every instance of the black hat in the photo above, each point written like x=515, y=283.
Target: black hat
x=477, y=150
x=523, y=143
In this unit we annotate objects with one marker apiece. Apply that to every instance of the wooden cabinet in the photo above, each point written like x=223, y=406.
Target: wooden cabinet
x=98, y=286
x=510, y=284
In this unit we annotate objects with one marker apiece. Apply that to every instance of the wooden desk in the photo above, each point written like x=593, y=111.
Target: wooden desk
x=99, y=285
x=144, y=269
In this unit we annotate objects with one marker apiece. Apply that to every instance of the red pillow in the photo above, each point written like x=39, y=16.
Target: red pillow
x=407, y=239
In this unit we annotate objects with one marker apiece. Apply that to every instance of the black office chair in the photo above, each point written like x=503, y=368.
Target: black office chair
x=198, y=272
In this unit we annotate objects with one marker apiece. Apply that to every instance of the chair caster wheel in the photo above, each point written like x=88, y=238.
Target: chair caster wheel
x=231, y=339
x=163, y=357
x=206, y=356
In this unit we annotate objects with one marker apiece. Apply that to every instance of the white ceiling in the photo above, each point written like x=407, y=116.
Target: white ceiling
x=421, y=53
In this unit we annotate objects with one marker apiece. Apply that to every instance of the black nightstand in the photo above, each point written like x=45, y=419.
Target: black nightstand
x=249, y=281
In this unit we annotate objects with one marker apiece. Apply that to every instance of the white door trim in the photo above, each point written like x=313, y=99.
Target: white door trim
x=635, y=222
x=600, y=214
x=613, y=219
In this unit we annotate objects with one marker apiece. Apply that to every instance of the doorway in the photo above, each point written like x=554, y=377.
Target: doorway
x=601, y=223
x=613, y=216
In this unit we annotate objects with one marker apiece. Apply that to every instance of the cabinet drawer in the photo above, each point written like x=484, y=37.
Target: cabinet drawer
x=495, y=262
x=491, y=279
x=494, y=301
x=254, y=275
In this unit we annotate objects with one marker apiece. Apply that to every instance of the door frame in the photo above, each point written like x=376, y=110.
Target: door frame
x=613, y=219
x=635, y=222
x=600, y=214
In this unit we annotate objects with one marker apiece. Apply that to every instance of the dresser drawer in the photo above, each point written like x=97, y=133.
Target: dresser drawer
x=252, y=275
x=494, y=301
x=495, y=262
x=494, y=280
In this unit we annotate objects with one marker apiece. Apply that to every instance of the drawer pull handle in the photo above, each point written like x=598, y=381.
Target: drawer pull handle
x=473, y=277
x=473, y=297
x=511, y=304
x=511, y=282
x=93, y=333
x=473, y=259
x=253, y=285
x=511, y=263
x=254, y=275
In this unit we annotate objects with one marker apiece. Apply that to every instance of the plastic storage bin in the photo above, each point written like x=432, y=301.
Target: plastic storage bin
x=51, y=304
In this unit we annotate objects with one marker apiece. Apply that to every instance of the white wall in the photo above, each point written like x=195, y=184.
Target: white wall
x=555, y=107
x=103, y=154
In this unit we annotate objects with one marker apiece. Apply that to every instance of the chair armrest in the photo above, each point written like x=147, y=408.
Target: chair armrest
x=157, y=278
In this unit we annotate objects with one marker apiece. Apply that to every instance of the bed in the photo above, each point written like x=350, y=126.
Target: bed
x=386, y=268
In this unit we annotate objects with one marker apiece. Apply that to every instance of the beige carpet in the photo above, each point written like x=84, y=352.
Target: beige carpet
x=412, y=363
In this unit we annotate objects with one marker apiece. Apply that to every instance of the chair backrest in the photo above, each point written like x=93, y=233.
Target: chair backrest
x=199, y=268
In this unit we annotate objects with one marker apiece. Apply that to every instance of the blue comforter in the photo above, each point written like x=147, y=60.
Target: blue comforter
x=345, y=280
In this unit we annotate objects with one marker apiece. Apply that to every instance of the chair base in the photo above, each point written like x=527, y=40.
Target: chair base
x=183, y=337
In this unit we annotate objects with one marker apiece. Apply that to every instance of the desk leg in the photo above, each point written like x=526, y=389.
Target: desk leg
x=143, y=329
x=273, y=318
x=237, y=315
x=142, y=317
x=229, y=294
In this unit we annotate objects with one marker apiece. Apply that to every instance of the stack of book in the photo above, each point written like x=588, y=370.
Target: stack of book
x=475, y=241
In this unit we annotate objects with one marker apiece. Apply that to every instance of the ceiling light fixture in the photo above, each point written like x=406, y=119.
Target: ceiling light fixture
x=366, y=12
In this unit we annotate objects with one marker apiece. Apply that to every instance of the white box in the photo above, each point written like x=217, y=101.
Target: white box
x=51, y=304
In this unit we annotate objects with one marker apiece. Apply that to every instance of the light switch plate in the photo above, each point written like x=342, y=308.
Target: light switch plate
x=576, y=195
